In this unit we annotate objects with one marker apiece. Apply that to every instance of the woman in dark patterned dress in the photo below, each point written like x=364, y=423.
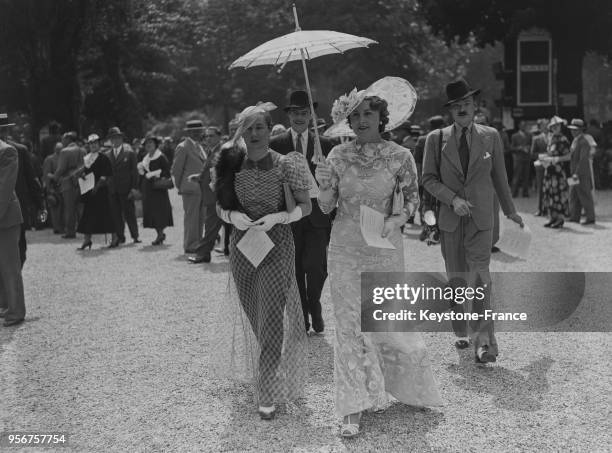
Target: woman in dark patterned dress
x=96, y=218
x=555, y=188
x=156, y=208
x=251, y=196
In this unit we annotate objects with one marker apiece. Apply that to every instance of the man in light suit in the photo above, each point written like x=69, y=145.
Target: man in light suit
x=189, y=159
x=212, y=222
x=122, y=187
x=311, y=234
x=12, y=302
x=70, y=159
x=581, y=195
x=464, y=175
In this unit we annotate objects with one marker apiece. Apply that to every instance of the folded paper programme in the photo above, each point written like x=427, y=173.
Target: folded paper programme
x=255, y=245
x=372, y=224
x=87, y=183
x=514, y=240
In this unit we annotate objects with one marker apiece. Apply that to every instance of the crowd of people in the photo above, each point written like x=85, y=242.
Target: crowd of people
x=303, y=193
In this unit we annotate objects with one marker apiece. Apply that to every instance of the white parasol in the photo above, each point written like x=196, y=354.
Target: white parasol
x=301, y=45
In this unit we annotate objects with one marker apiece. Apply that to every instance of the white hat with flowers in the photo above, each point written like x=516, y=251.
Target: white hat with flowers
x=401, y=100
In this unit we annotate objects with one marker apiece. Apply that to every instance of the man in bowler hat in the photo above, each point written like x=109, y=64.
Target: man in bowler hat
x=464, y=175
x=12, y=302
x=123, y=186
x=311, y=234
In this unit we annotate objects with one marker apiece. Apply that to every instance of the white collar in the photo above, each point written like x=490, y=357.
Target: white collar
x=294, y=134
x=148, y=159
x=90, y=158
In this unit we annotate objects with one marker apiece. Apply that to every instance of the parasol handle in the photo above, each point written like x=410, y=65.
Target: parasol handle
x=318, y=155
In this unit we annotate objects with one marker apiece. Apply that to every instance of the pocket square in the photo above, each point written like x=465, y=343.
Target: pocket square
x=487, y=155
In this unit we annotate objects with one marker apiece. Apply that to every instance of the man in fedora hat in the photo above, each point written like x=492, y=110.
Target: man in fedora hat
x=581, y=195
x=311, y=234
x=28, y=187
x=212, y=222
x=69, y=160
x=12, y=302
x=189, y=159
x=463, y=175
x=122, y=186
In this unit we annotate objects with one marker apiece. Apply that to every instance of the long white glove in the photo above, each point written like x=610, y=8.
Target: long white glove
x=295, y=215
x=239, y=219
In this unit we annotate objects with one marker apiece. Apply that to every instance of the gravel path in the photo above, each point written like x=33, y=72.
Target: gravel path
x=114, y=353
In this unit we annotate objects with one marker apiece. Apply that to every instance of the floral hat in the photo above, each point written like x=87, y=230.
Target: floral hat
x=401, y=100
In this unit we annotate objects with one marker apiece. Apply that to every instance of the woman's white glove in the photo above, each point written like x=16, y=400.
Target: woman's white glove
x=295, y=215
x=268, y=221
x=239, y=219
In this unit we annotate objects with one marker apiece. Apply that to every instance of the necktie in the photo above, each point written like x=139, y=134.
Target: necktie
x=464, y=151
x=298, y=145
x=117, y=152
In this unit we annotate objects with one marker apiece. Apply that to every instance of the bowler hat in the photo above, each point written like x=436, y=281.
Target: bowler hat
x=114, y=131
x=458, y=90
x=576, y=124
x=194, y=125
x=299, y=100
x=4, y=120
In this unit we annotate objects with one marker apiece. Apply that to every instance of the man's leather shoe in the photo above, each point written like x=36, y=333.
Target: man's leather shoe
x=495, y=249
x=12, y=322
x=588, y=222
x=462, y=344
x=137, y=241
x=199, y=259
x=484, y=356
x=122, y=240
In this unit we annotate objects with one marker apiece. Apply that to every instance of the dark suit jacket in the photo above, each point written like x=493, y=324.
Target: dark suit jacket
x=125, y=170
x=28, y=187
x=70, y=159
x=486, y=175
x=10, y=212
x=283, y=144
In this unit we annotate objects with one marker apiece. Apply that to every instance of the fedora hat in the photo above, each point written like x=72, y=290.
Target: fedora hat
x=114, y=131
x=4, y=122
x=458, y=90
x=194, y=125
x=576, y=124
x=556, y=120
x=299, y=100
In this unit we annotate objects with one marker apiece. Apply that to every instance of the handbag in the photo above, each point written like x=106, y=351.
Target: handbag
x=397, y=203
x=163, y=183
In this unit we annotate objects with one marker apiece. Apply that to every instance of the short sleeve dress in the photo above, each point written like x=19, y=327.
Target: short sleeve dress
x=268, y=294
x=555, y=188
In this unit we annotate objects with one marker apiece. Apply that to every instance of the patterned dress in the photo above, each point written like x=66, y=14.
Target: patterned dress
x=369, y=367
x=269, y=294
x=555, y=188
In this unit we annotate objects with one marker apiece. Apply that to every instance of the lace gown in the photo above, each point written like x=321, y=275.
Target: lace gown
x=369, y=367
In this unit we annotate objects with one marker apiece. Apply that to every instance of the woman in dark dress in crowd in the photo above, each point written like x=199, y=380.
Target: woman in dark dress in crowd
x=96, y=217
x=555, y=188
x=156, y=208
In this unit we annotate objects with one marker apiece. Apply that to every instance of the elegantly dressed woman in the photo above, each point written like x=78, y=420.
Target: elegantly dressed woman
x=370, y=367
x=96, y=218
x=555, y=188
x=156, y=208
x=251, y=196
